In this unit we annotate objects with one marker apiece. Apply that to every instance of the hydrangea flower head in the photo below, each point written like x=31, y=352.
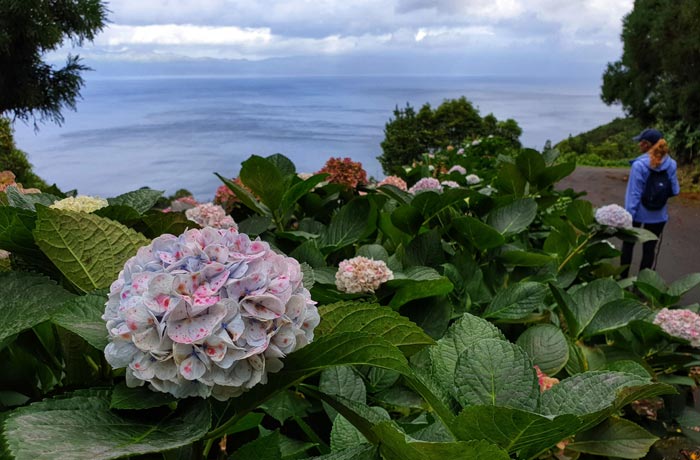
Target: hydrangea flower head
x=395, y=181
x=613, y=215
x=426, y=184
x=473, y=179
x=209, y=312
x=344, y=171
x=684, y=324
x=80, y=203
x=225, y=198
x=361, y=274
x=450, y=184
x=546, y=382
x=210, y=215
x=458, y=169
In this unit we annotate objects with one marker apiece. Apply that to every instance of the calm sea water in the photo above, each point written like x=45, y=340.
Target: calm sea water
x=170, y=133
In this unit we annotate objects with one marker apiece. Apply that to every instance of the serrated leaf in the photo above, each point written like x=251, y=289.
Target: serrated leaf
x=514, y=217
x=265, y=180
x=245, y=196
x=547, y=347
x=254, y=225
x=83, y=316
x=27, y=299
x=89, y=250
x=348, y=225
x=580, y=213
x=120, y=212
x=264, y=447
x=373, y=251
x=28, y=201
x=531, y=164
x=683, y=285
x=481, y=235
x=83, y=427
x=586, y=301
x=298, y=190
x=517, y=431
x=525, y=258
x=286, y=404
x=496, y=372
x=421, y=290
x=615, y=437
x=361, y=452
x=342, y=381
x=16, y=227
x=138, y=398
x=344, y=435
x=140, y=200
x=282, y=163
x=616, y=314
x=156, y=223
x=372, y=319
x=517, y=301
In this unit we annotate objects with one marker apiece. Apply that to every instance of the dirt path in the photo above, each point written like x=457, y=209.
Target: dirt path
x=679, y=253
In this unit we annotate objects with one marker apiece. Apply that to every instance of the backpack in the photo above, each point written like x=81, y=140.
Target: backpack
x=657, y=190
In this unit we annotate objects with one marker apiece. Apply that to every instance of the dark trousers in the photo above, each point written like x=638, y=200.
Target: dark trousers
x=648, y=249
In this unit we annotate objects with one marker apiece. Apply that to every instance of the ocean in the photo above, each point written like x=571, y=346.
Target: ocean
x=175, y=132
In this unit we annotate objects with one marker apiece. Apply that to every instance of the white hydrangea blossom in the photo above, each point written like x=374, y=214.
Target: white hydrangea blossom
x=473, y=179
x=450, y=184
x=426, y=184
x=361, y=274
x=80, y=203
x=614, y=215
x=209, y=312
x=210, y=215
x=458, y=169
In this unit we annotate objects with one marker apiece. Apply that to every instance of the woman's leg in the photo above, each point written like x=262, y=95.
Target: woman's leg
x=649, y=248
x=626, y=256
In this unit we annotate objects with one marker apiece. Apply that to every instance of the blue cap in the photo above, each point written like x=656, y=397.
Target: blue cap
x=650, y=135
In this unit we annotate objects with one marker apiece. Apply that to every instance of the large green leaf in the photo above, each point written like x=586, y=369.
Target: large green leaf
x=615, y=437
x=496, y=372
x=16, y=227
x=580, y=213
x=614, y=315
x=344, y=434
x=246, y=197
x=83, y=316
x=481, y=235
x=525, y=258
x=547, y=347
x=514, y=217
x=84, y=427
x=89, y=250
x=360, y=452
x=138, y=398
x=28, y=201
x=587, y=300
x=515, y=430
x=595, y=395
x=510, y=180
x=342, y=381
x=555, y=173
x=141, y=200
x=298, y=190
x=683, y=285
x=407, y=219
x=396, y=445
x=27, y=299
x=464, y=333
x=431, y=204
x=282, y=163
x=420, y=290
x=265, y=180
x=517, y=301
x=122, y=213
x=285, y=405
x=373, y=319
x=349, y=225
x=155, y=223
x=531, y=164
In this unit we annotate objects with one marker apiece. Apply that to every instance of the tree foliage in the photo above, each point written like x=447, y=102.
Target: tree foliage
x=410, y=134
x=29, y=86
x=656, y=79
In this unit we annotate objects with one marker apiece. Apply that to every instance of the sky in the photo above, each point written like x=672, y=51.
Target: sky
x=361, y=36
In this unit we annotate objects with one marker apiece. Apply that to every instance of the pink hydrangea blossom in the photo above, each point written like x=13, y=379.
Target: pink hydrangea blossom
x=361, y=274
x=450, y=184
x=344, y=171
x=209, y=312
x=546, y=382
x=395, y=181
x=684, y=324
x=614, y=215
x=426, y=184
x=473, y=179
x=210, y=215
x=458, y=169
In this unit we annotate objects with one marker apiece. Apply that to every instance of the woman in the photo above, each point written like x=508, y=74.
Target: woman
x=654, y=157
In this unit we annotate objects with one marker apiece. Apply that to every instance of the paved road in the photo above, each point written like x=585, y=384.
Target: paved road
x=679, y=252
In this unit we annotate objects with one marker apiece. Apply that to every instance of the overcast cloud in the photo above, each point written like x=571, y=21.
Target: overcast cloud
x=171, y=30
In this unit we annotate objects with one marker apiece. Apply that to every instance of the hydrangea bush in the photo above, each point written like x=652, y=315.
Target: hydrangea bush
x=209, y=312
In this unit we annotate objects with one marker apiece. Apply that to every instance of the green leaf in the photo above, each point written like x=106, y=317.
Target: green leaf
x=431, y=204
x=586, y=301
x=580, y=213
x=361, y=452
x=629, y=367
x=374, y=252
x=420, y=290
x=285, y=405
x=246, y=197
x=344, y=435
x=28, y=201
x=517, y=301
x=141, y=200
x=400, y=196
x=614, y=315
x=16, y=227
x=525, y=259
x=84, y=427
x=496, y=372
x=264, y=447
x=342, y=381
x=298, y=190
x=636, y=235
x=615, y=437
x=530, y=164
x=349, y=224
x=407, y=219
x=481, y=235
x=27, y=299
x=283, y=164
x=513, y=218
x=83, y=316
x=683, y=285
x=158, y=223
x=555, y=173
x=510, y=180
x=254, y=225
x=463, y=334
x=89, y=250
x=121, y=213
x=396, y=445
x=517, y=431
x=373, y=319
x=653, y=279
x=138, y=398
x=594, y=395
x=546, y=345
x=265, y=180
x=310, y=253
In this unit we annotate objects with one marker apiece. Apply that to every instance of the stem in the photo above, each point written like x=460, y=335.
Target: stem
x=221, y=430
x=322, y=447
x=574, y=252
x=207, y=447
